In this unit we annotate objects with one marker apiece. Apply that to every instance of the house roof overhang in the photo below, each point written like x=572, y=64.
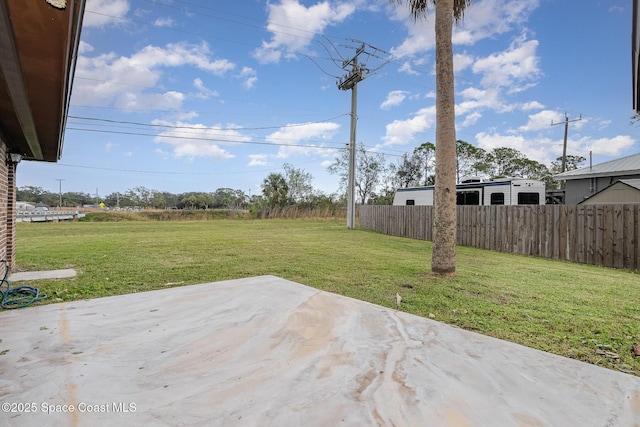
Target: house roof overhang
x=39, y=42
x=635, y=55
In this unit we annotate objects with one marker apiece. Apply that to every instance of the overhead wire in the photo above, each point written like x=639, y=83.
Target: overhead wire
x=197, y=138
x=340, y=145
x=208, y=128
x=297, y=29
x=297, y=33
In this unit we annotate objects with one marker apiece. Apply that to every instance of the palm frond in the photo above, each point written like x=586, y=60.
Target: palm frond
x=420, y=8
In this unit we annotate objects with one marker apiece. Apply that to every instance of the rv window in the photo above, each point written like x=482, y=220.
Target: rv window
x=411, y=202
x=528, y=198
x=497, y=198
x=468, y=198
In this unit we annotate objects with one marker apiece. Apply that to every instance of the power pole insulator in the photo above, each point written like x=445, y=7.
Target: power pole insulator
x=566, y=132
x=350, y=81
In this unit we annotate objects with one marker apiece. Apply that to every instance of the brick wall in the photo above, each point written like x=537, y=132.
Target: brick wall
x=4, y=203
x=10, y=243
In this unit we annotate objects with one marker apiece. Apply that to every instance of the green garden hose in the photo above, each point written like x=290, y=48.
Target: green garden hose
x=20, y=297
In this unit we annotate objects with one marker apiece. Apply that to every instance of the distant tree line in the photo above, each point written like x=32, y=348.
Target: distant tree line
x=376, y=182
x=418, y=168
x=139, y=197
x=377, y=179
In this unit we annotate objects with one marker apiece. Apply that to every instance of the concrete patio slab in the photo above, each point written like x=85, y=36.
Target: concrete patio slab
x=265, y=351
x=40, y=275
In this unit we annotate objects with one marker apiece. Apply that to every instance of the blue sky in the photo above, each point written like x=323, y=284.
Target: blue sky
x=197, y=95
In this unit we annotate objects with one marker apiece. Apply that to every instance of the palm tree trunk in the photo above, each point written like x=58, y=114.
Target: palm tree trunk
x=443, y=259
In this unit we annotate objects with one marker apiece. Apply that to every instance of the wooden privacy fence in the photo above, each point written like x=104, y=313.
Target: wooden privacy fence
x=605, y=235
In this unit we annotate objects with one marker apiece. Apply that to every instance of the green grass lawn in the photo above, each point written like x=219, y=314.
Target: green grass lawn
x=579, y=311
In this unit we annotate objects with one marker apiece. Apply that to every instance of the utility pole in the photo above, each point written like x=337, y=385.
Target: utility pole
x=60, y=191
x=350, y=81
x=566, y=131
x=355, y=74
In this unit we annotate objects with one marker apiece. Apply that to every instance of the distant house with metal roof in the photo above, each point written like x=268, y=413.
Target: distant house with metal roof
x=586, y=182
x=625, y=191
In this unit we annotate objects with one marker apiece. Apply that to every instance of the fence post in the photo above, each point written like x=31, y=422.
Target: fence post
x=607, y=235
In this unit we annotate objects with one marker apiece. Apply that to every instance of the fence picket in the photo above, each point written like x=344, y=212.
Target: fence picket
x=607, y=235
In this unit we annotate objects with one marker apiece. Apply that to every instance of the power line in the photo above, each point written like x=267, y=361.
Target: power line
x=232, y=141
x=162, y=172
x=200, y=128
x=259, y=26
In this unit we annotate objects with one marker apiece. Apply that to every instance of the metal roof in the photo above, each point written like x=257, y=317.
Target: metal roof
x=629, y=165
x=635, y=183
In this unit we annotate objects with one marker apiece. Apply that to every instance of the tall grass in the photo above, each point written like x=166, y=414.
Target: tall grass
x=287, y=212
x=295, y=212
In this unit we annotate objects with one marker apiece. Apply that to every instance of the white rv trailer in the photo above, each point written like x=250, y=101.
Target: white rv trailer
x=509, y=191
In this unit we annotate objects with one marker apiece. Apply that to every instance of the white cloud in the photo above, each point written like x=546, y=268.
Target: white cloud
x=394, y=98
x=461, y=61
x=603, y=124
x=471, y=119
x=180, y=54
x=132, y=100
x=203, y=91
x=185, y=115
x=266, y=55
x=482, y=19
x=545, y=150
x=542, y=150
x=608, y=146
x=421, y=38
x=250, y=82
x=100, y=13
x=288, y=36
x=407, y=67
x=198, y=149
x=109, y=146
x=248, y=74
x=479, y=98
x=515, y=66
x=533, y=105
x=402, y=132
x=198, y=83
x=84, y=47
x=128, y=82
x=511, y=70
x=258, y=160
x=488, y=18
x=197, y=140
x=293, y=134
x=542, y=120
x=502, y=73
x=164, y=22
